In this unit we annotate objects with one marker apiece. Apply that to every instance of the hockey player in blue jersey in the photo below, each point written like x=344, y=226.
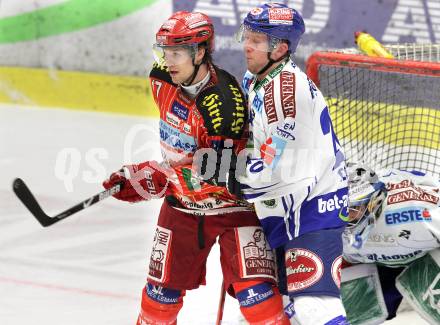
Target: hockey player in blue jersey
x=296, y=174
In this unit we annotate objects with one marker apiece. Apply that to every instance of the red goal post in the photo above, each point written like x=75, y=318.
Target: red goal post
x=386, y=112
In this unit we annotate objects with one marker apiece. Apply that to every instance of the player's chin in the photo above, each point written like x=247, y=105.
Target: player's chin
x=253, y=68
x=176, y=77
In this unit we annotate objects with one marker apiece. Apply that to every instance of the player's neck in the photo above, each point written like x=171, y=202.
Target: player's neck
x=199, y=82
x=201, y=74
x=268, y=70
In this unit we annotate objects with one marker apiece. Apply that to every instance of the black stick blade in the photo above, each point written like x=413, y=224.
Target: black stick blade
x=29, y=201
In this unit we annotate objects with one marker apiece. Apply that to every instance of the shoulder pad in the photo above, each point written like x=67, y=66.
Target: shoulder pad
x=160, y=72
x=223, y=107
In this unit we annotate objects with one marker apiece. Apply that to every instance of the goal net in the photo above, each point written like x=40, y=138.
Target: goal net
x=386, y=112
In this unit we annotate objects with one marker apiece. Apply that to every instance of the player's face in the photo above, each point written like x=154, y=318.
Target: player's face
x=355, y=213
x=256, y=47
x=179, y=61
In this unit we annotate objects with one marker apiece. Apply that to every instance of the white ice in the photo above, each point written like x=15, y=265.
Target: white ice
x=90, y=268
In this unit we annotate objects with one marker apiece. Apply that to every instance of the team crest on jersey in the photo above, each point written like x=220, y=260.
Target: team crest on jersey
x=304, y=268
x=256, y=257
x=160, y=254
x=271, y=204
x=336, y=271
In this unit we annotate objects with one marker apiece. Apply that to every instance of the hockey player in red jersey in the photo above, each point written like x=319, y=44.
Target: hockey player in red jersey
x=202, y=110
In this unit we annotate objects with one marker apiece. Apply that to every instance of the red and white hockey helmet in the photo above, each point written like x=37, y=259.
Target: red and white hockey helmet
x=185, y=29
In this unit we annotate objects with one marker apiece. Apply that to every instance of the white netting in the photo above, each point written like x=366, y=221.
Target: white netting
x=384, y=116
x=407, y=51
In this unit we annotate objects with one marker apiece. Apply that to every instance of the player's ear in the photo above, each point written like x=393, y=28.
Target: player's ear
x=280, y=50
x=200, y=54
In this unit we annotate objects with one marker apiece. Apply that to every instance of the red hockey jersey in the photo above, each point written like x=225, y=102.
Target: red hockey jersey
x=218, y=113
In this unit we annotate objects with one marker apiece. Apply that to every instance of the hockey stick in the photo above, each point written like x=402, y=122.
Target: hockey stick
x=221, y=304
x=28, y=199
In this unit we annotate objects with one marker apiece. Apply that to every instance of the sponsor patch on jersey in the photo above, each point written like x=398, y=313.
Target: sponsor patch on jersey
x=187, y=128
x=180, y=111
x=405, y=215
x=172, y=119
x=287, y=87
x=286, y=130
x=176, y=139
x=397, y=186
x=412, y=194
x=160, y=254
x=239, y=113
x=332, y=203
x=257, y=103
x=212, y=103
x=304, y=268
x=405, y=234
x=336, y=271
x=380, y=240
x=281, y=16
x=256, y=257
x=394, y=259
x=269, y=103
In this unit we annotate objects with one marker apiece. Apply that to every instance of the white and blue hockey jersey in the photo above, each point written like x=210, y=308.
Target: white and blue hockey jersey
x=407, y=225
x=302, y=186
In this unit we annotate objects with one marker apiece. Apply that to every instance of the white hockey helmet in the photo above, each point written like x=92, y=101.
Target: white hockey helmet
x=363, y=183
x=363, y=218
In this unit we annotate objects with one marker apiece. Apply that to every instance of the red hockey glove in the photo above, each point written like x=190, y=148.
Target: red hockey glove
x=139, y=182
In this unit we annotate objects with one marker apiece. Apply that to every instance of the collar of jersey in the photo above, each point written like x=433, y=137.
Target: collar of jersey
x=272, y=74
